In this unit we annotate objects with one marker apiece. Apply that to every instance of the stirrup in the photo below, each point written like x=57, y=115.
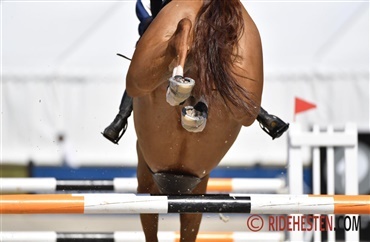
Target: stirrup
x=194, y=119
x=179, y=89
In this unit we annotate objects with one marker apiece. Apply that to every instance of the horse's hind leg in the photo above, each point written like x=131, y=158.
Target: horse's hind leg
x=179, y=88
x=149, y=222
x=190, y=223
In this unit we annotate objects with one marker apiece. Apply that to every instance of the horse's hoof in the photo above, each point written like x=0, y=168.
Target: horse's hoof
x=179, y=89
x=194, y=119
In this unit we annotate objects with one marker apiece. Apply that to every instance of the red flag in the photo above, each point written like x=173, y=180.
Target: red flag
x=302, y=105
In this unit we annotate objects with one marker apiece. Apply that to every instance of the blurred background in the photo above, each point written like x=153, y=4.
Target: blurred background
x=61, y=85
x=62, y=81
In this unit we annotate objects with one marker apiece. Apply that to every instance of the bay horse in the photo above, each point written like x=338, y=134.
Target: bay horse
x=216, y=44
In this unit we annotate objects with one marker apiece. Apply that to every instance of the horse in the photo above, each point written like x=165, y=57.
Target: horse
x=196, y=78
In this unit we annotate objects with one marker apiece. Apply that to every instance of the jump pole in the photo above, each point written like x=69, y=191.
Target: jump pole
x=129, y=185
x=134, y=236
x=162, y=204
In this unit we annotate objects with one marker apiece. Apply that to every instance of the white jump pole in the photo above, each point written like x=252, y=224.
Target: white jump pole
x=129, y=185
x=134, y=236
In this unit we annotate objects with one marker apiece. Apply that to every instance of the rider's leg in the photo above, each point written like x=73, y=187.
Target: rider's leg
x=155, y=7
x=118, y=127
x=143, y=16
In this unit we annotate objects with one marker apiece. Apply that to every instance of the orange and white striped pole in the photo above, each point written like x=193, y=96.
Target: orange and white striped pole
x=217, y=203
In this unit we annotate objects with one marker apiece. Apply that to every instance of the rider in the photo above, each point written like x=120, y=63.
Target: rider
x=271, y=124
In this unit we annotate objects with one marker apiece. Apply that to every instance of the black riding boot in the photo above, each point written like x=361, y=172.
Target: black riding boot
x=271, y=124
x=118, y=127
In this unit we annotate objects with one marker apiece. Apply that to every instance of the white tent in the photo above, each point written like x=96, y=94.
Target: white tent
x=60, y=74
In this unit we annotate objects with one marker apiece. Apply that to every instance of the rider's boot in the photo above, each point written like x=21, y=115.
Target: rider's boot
x=118, y=127
x=271, y=124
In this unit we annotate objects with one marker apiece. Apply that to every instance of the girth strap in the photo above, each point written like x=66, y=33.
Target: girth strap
x=175, y=184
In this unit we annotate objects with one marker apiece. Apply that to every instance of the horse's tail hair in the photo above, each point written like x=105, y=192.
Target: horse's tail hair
x=218, y=28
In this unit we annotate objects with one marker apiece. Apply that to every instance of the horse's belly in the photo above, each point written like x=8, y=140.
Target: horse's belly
x=167, y=146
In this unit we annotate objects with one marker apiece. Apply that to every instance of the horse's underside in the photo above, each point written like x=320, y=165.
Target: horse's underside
x=183, y=133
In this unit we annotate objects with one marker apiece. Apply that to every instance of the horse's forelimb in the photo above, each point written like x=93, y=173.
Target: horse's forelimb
x=179, y=43
x=194, y=119
x=179, y=89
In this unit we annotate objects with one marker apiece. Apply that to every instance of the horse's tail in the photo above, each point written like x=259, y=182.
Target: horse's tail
x=218, y=28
